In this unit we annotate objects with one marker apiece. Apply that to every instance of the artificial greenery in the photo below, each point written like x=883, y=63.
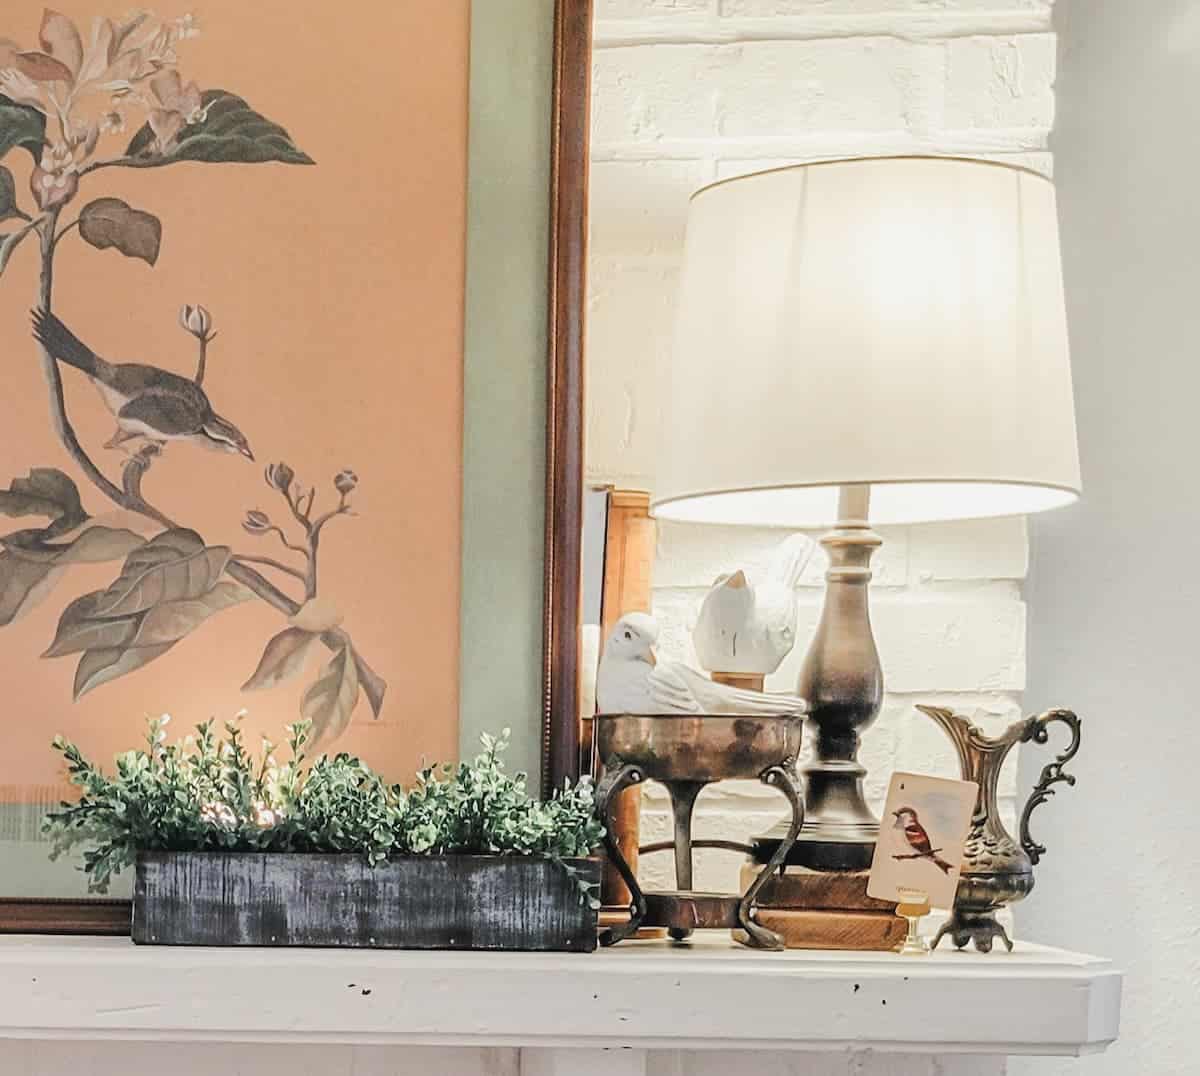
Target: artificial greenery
x=209, y=794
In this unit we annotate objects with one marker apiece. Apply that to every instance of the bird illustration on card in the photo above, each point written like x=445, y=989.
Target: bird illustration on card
x=92, y=109
x=919, y=854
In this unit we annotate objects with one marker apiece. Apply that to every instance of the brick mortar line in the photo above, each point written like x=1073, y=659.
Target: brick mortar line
x=826, y=143
x=733, y=30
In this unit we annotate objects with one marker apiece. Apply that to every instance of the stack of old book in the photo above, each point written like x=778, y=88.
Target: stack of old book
x=825, y=910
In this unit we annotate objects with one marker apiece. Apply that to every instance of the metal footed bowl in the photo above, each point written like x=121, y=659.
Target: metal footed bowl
x=675, y=747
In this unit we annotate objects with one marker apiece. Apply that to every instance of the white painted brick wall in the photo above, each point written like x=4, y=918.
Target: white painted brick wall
x=687, y=91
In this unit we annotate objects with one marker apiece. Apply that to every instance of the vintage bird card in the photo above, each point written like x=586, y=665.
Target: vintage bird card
x=921, y=838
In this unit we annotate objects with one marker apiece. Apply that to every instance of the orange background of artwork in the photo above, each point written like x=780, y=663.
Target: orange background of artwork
x=337, y=291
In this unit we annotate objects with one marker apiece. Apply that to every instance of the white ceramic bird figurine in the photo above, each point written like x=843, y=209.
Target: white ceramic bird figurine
x=631, y=681
x=750, y=627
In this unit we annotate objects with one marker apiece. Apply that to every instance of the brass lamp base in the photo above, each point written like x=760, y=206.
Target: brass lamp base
x=843, y=683
x=817, y=850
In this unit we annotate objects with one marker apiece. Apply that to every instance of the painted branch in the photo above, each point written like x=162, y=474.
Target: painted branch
x=270, y=562
x=58, y=404
x=203, y=360
x=263, y=587
x=314, y=542
x=133, y=500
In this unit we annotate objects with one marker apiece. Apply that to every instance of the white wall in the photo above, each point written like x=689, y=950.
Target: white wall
x=1113, y=598
x=688, y=91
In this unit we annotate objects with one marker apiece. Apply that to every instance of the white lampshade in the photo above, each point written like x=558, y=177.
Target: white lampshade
x=892, y=321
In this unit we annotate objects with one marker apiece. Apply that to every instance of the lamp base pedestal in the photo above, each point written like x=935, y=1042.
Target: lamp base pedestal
x=819, y=851
x=842, y=681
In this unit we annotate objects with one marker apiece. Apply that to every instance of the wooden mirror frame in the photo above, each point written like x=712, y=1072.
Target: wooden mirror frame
x=560, y=731
x=571, y=112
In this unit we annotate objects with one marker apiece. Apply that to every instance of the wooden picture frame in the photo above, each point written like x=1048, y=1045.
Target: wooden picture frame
x=554, y=117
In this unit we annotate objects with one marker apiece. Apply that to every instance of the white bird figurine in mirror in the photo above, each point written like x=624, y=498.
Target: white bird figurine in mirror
x=749, y=626
x=632, y=681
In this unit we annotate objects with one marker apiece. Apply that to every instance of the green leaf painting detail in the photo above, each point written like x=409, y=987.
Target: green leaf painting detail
x=231, y=132
x=21, y=126
x=8, y=196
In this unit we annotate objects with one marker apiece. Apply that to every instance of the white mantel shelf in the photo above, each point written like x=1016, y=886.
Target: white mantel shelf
x=644, y=995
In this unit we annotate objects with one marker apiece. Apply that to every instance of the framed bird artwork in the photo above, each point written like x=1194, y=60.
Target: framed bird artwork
x=274, y=316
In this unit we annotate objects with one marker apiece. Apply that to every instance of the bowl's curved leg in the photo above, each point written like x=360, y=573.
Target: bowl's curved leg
x=760, y=936
x=615, y=780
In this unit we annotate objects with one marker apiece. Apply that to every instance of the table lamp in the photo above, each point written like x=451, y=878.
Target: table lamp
x=870, y=341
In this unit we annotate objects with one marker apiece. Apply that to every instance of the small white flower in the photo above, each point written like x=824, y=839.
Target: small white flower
x=186, y=26
x=196, y=320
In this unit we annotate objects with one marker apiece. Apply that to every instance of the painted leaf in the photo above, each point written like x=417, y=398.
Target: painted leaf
x=45, y=491
x=171, y=621
x=21, y=126
x=329, y=702
x=230, y=132
x=80, y=629
x=282, y=659
x=8, y=195
x=98, y=667
x=109, y=222
x=373, y=686
x=29, y=568
x=60, y=38
x=23, y=584
x=93, y=546
x=181, y=541
x=42, y=68
x=173, y=566
x=9, y=244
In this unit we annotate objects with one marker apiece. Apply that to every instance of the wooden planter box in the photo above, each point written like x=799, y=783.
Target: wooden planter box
x=413, y=902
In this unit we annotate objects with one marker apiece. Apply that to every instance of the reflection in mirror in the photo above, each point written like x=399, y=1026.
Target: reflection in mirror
x=618, y=552
x=595, y=530
x=685, y=95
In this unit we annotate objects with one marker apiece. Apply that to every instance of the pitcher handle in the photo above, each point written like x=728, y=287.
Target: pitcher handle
x=1052, y=772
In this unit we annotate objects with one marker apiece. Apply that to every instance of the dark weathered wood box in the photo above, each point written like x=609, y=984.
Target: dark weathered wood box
x=415, y=902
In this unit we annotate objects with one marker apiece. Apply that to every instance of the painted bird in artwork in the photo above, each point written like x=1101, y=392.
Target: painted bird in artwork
x=632, y=681
x=146, y=401
x=918, y=840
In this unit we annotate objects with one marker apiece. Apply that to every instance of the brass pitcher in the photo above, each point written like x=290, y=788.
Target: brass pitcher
x=996, y=869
